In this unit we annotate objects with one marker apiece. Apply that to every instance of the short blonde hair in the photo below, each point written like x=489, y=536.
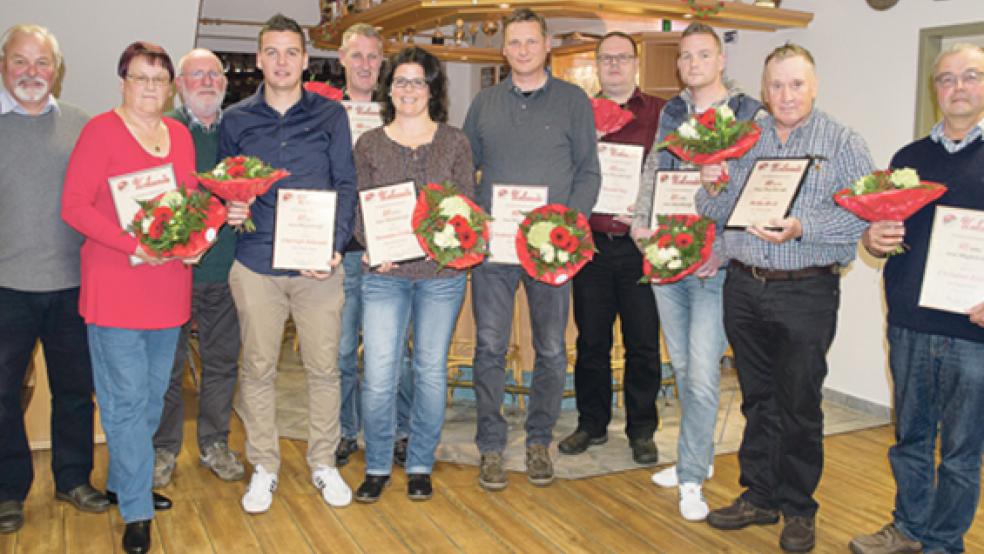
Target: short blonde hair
x=31, y=29
x=362, y=30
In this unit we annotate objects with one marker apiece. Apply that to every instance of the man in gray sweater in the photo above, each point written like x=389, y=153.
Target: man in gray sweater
x=39, y=277
x=531, y=129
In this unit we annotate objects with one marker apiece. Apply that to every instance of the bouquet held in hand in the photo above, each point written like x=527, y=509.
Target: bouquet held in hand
x=451, y=229
x=241, y=179
x=178, y=223
x=553, y=243
x=678, y=246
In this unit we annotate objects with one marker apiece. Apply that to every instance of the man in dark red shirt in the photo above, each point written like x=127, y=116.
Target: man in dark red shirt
x=609, y=286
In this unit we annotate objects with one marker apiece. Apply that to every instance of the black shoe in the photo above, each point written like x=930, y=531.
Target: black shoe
x=11, y=516
x=346, y=447
x=136, y=538
x=644, y=451
x=161, y=502
x=419, y=486
x=741, y=514
x=371, y=489
x=799, y=534
x=85, y=498
x=400, y=452
x=579, y=441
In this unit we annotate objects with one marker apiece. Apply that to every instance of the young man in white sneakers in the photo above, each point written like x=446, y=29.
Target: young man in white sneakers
x=308, y=135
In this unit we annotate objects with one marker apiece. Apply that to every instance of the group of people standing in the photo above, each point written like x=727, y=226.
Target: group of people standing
x=772, y=291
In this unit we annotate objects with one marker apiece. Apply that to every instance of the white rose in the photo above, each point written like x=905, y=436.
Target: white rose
x=446, y=238
x=725, y=112
x=664, y=255
x=454, y=205
x=675, y=263
x=547, y=253
x=905, y=178
x=688, y=130
x=563, y=256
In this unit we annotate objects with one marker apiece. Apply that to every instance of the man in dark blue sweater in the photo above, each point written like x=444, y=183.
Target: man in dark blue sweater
x=935, y=356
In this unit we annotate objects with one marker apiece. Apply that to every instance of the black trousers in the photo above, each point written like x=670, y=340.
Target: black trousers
x=54, y=318
x=609, y=286
x=780, y=332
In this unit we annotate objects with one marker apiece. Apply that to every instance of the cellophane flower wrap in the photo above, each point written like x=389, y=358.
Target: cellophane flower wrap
x=553, y=243
x=178, y=223
x=679, y=245
x=241, y=179
x=888, y=195
x=452, y=230
x=609, y=117
x=325, y=90
x=711, y=138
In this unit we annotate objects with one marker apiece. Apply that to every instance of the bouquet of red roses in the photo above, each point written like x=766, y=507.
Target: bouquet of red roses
x=711, y=138
x=553, y=243
x=609, y=117
x=178, y=223
x=241, y=179
x=888, y=195
x=452, y=230
x=680, y=245
x=324, y=89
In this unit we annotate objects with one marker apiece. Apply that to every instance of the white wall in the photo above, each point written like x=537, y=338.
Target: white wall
x=867, y=65
x=94, y=33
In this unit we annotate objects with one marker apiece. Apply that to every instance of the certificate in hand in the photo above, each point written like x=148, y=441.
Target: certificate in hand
x=388, y=214
x=510, y=203
x=130, y=188
x=363, y=116
x=304, y=235
x=953, y=279
x=621, y=171
x=674, y=194
x=769, y=191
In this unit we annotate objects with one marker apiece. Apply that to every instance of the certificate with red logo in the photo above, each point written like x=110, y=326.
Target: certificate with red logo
x=363, y=116
x=304, y=234
x=621, y=171
x=953, y=279
x=388, y=214
x=131, y=188
x=674, y=193
x=769, y=191
x=510, y=204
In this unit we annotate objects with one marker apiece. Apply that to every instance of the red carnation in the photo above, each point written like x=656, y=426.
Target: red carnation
x=164, y=213
x=684, y=240
x=156, y=229
x=467, y=238
x=572, y=245
x=560, y=237
x=664, y=241
x=236, y=171
x=459, y=222
x=237, y=160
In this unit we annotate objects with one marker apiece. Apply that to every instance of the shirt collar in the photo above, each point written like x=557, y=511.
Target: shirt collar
x=951, y=146
x=534, y=92
x=193, y=120
x=9, y=104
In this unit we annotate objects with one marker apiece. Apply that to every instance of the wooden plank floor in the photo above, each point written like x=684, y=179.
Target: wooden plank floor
x=615, y=513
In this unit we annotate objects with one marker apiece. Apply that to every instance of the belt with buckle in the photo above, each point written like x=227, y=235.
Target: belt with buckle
x=763, y=274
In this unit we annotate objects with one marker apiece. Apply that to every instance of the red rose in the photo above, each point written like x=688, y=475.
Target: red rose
x=467, y=238
x=684, y=240
x=156, y=229
x=708, y=118
x=459, y=222
x=664, y=241
x=163, y=213
x=572, y=245
x=560, y=236
x=236, y=171
x=236, y=160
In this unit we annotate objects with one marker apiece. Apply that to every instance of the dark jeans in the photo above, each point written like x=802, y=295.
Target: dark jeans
x=52, y=317
x=780, y=332
x=214, y=311
x=609, y=286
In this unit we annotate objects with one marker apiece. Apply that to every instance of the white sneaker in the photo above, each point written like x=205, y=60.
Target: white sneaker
x=259, y=495
x=667, y=478
x=333, y=488
x=692, y=504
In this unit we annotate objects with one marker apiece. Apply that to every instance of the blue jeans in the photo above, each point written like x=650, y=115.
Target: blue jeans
x=939, y=381
x=692, y=312
x=493, y=292
x=390, y=305
x=131, y=369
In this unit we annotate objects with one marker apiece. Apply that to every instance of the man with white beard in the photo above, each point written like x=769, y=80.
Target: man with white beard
x=201, y=83
x=39, y=277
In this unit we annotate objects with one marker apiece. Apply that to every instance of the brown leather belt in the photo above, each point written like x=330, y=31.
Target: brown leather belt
x=763, y=274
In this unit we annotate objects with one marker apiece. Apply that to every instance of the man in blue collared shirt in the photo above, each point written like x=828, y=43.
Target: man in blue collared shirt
x=307, y=135
x=781, y=296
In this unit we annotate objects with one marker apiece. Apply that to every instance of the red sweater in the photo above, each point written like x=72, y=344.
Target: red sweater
x=114, y=293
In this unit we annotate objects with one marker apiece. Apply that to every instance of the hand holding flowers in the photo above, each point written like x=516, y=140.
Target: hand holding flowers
x=241, y=179
x=450, y=228
x=553, y=243
x=177, y=224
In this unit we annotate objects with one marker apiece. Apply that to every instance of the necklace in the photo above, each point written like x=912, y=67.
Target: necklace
x=149, y=139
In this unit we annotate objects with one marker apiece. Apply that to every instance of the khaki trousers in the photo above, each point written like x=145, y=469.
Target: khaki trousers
x=263, y=303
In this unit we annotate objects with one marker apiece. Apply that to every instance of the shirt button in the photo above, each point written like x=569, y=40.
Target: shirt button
x=283, y=144
x=524, y=106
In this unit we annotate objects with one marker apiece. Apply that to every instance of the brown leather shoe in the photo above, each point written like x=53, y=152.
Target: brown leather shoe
x=741, y=514
x=11, y=516
x=85, y=498
x=799, y=534
x=644, y=451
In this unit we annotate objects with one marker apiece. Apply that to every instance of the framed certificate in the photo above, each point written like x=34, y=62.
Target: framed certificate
x=304, y=233
x=363, y=116
x=509, y=206
x=621, y=171
x=388, y=215
x=130, y=188
x=673, y=193
x=953, y=279
x=769, y=191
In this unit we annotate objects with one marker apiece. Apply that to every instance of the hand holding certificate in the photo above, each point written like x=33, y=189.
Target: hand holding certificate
x=674, y=194
x=769, y=192
x=621, y=171
x=388, y=216
x=304, y=235
x=127, y=190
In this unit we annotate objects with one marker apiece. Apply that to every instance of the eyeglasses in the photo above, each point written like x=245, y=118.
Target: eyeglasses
x=621, y=59
x=971, y=78
x=200, y=75
x=416, y=84
x=144, y=80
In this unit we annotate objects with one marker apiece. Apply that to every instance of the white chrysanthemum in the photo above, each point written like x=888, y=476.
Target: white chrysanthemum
x=906, y=178
x=171, y=198
x=539, y=234
x=454, y=205
x=725, y=112
x=446, y=238
x=547, y=253
x=688, y=130
x=665, y=255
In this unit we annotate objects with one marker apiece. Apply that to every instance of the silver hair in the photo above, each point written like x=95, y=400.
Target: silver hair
x=31, y=29
x=362, y=30
x=956, y=48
